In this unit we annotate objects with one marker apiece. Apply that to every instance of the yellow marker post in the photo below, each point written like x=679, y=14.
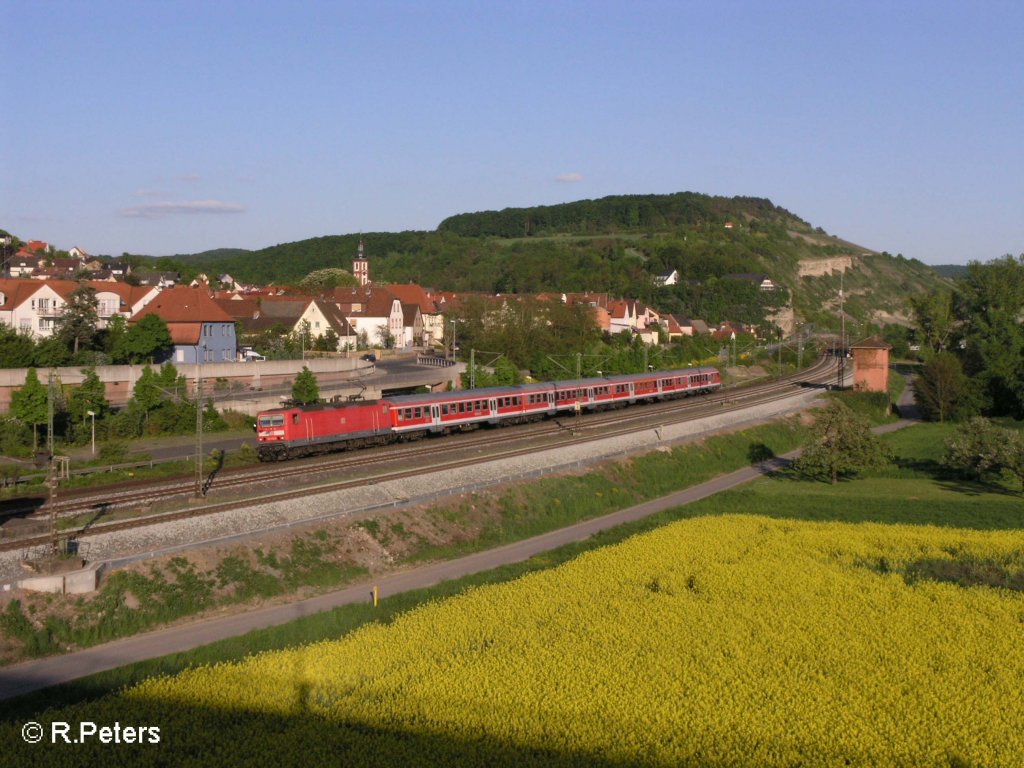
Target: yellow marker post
x=374, y=595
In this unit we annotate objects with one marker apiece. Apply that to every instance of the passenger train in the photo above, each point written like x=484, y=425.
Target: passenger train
x=288, y=433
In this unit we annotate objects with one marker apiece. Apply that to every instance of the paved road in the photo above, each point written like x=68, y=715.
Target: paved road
x=34, y=675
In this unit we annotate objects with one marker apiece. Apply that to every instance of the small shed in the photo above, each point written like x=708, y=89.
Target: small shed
x=871, y=365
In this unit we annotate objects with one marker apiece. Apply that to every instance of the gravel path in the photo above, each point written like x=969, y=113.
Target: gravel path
x=125, y=546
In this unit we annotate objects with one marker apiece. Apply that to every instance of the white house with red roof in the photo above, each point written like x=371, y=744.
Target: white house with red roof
x=429, y=327
x=35, y=307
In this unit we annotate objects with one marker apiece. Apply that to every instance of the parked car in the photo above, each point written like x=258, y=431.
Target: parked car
x=369, y=357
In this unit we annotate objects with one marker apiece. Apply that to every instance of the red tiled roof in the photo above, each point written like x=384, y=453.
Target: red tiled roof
x=410, y=293
x=183, y=304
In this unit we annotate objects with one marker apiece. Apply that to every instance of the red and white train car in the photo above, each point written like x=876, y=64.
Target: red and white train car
x=415, y=415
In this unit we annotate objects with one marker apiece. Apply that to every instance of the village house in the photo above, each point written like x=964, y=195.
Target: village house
x=200, y=330
x=431, y=318
x=35, y=307
x=664, y=279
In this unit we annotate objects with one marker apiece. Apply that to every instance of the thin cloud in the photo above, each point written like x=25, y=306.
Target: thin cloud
x=184, y=208
x=190, y=177
x=569, y=178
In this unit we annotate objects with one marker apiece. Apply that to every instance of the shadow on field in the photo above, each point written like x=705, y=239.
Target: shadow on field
x=198, y=735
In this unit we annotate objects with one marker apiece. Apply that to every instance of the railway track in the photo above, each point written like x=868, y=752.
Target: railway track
x=395, y=462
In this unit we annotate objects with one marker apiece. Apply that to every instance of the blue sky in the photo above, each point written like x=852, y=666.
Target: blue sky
x=175, y=127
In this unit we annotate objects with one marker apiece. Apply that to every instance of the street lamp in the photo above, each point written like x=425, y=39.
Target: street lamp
x=92, y=415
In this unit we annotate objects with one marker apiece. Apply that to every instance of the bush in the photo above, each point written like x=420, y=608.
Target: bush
x=873, y=405
x=114, y=452
x=15, y=437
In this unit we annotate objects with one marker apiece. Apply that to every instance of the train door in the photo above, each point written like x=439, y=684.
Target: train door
x=435, y=416
x=590, y=395
x=551, y=400
x=632, y=393
x=493, y=403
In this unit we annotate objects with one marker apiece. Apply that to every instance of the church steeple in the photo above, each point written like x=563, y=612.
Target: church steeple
x=360, y=266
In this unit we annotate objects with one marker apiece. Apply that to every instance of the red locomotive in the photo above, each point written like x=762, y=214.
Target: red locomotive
x=287, y=433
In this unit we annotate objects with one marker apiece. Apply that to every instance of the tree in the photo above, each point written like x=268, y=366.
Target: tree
x=90, y=395
x=1013, y=455
x=385, y=337
x=29, y=404
x=305, y=389
x=989, y=304
x=326, y=342
x=147, y=339
x=116, y=328
x=976, y=450
x=77, y=323
x=942, y=391
x=302, y=338
x=51, y=353
x=933, y=316
x=153, y=388
x=324, y=279
x=841, y=444
x=17, y=349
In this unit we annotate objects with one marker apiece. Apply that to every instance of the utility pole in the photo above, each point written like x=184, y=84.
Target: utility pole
x=472, y=369
x=49, y=412
x=199, y=423
x=842, y=335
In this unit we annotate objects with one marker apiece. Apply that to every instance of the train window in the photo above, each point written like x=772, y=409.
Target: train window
x=401, y=414
x=295, y=418
x=418, y=413
x=444, y=409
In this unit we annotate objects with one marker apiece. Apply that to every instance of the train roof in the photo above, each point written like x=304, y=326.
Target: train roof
x=322, y=406
x=630, y=377
x=466, y=394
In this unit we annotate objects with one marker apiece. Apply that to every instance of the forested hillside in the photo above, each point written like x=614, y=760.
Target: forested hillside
x=620, y=213
x=615, y=245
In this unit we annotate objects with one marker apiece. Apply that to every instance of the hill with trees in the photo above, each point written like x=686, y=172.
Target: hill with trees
x=617, y=245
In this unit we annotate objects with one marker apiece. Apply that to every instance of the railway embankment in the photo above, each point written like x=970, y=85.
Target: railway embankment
x=119, y=548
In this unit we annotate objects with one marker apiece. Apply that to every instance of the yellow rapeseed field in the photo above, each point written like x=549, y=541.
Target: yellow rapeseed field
x=724, y=641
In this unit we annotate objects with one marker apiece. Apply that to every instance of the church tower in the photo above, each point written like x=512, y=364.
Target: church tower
x=361, y=267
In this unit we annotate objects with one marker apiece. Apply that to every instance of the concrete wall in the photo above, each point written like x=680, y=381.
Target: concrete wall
x=78, y=582
x=248, y=387
x=255, y=376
